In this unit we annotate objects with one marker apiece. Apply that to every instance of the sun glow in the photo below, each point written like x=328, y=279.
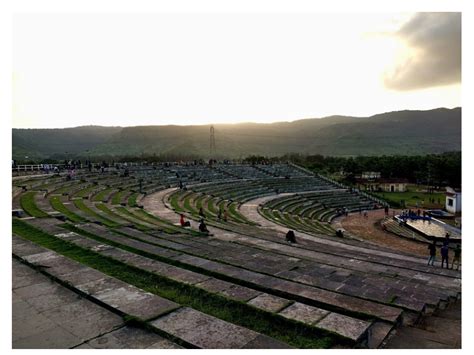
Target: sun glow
x=145, y=69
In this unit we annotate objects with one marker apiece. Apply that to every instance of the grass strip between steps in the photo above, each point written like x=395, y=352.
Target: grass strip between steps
x=28, y=204
x=57, y=204
x=293, y=333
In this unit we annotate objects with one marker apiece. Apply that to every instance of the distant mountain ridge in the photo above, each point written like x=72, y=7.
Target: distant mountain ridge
x=398, y=132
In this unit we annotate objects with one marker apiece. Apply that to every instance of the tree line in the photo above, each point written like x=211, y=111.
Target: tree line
x=433, y=169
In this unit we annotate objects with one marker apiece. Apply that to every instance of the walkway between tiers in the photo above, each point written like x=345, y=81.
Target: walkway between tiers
x=155, y=204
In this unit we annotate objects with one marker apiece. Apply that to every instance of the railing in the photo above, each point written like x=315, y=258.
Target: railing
x=36, y=167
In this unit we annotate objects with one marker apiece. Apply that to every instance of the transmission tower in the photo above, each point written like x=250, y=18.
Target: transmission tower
x=212, y=145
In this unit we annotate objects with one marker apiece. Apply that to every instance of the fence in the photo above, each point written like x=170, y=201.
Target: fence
x=36, y=167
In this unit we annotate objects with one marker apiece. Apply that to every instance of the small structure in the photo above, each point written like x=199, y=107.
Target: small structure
x=371, y=175
x=379, y=184
x=453, y=200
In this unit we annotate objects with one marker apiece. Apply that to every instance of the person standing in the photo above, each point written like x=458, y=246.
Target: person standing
x=432, y=249
x=446, y=239
x=457, y=257
x=445, y=255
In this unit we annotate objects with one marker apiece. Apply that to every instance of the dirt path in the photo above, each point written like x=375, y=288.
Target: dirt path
x=369, y=229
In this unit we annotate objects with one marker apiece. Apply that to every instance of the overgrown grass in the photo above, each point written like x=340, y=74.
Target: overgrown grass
x=132, y=200
x=67, y=188
x=28, y=204
x=86, y=191
x=57, y=204
x=117, y=197
x=187, y=205
x=239, y=216
x=102, y=194
x=124, y=216
x=293, y=333
x=174, y=201
x=80, y=204
x=211, y=207
x=168, y=224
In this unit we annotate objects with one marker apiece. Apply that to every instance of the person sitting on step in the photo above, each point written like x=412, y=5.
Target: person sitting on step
x=183, y=222
x=202, y=227
x=290, y=237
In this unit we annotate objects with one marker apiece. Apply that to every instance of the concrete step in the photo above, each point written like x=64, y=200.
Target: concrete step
x=192, y=327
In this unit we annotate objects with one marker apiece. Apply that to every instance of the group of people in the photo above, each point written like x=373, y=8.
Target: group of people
x=222, y=215
x=445, y=254
x=202, y=225
x=342, y=211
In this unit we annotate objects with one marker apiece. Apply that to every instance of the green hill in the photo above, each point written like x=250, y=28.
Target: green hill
x=400, y=132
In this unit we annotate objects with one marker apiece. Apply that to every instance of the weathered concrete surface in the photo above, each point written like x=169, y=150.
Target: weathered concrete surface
x=130, y=338
x=378, y=333
x=240, y=293
x=349, y=327
x=214, y=285
x=114, y=293
x=304, y=313
x=135, y=302
x=265, y=342
x=269, y=303
x=46, y=315
x=42, y=320
x=204, y=331
x=439, y=331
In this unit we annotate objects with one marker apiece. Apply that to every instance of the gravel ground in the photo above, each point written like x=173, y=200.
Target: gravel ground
x=369, y=229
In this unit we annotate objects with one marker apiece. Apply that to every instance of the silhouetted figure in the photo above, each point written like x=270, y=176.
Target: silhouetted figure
x=446, y=239
x=444, y=255
x=203, y=227
x=339, y=233
x=290, y=237
x=201, y=212
x=457, y=257
x=432, y=249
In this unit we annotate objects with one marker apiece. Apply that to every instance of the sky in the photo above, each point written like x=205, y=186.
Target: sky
x=134, y=69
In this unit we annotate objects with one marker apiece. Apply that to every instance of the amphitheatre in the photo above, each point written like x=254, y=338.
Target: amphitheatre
x=100, y=260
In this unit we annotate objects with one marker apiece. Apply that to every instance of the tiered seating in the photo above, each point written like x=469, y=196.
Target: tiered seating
x=394, y=227
x=311, y=212
x=242, y=171
x=282, y=170
x=244, y=280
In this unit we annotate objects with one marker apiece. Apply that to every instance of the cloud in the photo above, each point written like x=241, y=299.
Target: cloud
x=434, y=40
